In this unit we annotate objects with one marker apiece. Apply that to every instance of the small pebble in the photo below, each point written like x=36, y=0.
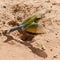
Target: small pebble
x=55, y=56
x=50, y=49
x=19, y=19
x=4, y=6
x=53, y=3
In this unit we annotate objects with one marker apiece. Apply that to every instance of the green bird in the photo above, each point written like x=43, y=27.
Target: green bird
x=30, y=27
x=30, y=23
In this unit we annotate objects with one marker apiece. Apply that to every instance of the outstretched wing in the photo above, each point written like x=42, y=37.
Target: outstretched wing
x=35, y=28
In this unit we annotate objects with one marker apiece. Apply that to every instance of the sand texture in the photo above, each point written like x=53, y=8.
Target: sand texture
x=45, y=46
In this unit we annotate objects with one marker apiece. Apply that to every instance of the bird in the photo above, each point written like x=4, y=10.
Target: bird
x=30, y=27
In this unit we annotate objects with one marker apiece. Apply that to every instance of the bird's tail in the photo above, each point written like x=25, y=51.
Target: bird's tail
x=15, y=28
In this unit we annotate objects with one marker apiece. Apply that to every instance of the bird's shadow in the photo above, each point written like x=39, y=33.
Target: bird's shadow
x=34, y=50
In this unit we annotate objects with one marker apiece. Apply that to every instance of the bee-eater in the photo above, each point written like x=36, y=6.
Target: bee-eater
x=31, y=24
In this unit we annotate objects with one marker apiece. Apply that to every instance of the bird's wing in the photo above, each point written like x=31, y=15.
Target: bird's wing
x=35, y=28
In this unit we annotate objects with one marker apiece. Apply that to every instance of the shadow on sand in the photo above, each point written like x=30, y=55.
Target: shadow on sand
x=34, y=50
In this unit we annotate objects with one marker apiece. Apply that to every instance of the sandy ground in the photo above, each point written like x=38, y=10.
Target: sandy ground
x=45, y=46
